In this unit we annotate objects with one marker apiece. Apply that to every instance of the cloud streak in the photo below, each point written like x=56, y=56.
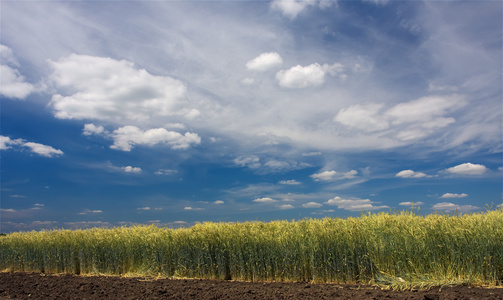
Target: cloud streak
x=40, y=149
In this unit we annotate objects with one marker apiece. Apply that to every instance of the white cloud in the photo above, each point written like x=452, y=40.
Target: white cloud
x=265, y=200
x=13, y=84
x=467, y=169
x=264, y=62
x=450, y=207
x=7, y=143
x=7, y=56
x=192, y=208
x=143, y=208
x=88, y=211
x=349, y=175
x=405, y=121
x=290, y=182
x=324, y=176
x=270, y=165
x=409, y=203
x=410, y=174
x=90, y=129
x=333, y=175
x=165, y=172
x=378, y=2
x=218, y=202
x=115, y=91
x=312, y=205
x=8, y=210
x=43, y=150
x=311, y=153
x=286, y=206
x=451, y=195
x=128, y=136
x=363, y=117
x=129, y=169
x=291, y=8
x=40, y=149
x=312, y=75
x=354, y=204
x=251, y=161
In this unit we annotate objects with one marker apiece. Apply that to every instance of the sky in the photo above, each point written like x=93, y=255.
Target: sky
x=115, y=113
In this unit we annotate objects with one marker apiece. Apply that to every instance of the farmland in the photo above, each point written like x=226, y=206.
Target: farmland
x=399, y=250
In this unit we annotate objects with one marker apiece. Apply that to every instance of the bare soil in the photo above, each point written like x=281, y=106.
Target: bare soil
x=21, y=285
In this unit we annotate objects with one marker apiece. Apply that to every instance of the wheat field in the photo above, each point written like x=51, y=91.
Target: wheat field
x=400, y=249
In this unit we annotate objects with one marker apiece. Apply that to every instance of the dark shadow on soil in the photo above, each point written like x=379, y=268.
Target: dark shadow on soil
x=20, y=285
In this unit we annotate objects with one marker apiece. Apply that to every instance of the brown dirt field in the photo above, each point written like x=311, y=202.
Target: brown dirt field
x=20, y=285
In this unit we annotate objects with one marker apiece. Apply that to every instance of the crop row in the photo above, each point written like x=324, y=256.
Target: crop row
x=385, y=248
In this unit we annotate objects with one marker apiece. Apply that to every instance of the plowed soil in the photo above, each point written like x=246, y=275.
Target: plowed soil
x=20, y=285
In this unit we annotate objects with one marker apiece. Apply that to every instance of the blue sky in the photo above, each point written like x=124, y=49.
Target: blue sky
x=174, y=112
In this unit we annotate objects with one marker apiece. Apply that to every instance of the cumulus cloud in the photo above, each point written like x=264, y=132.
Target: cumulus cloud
x=312, y=75
x=13, y=84
x=410, y=174
x=354, y=204
x=128, y=136
x=451, y=195
x=218, y=202
x=129, y=169
x=291, y=8
x=286, y=206
x=450, y=207
x=115, y=91
x=264, y=62
x=467, y=169
x=312, y=205
x=334, y=175
x=40, y=149
x=265, y=200
x=90, y=129
x=405, y=121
